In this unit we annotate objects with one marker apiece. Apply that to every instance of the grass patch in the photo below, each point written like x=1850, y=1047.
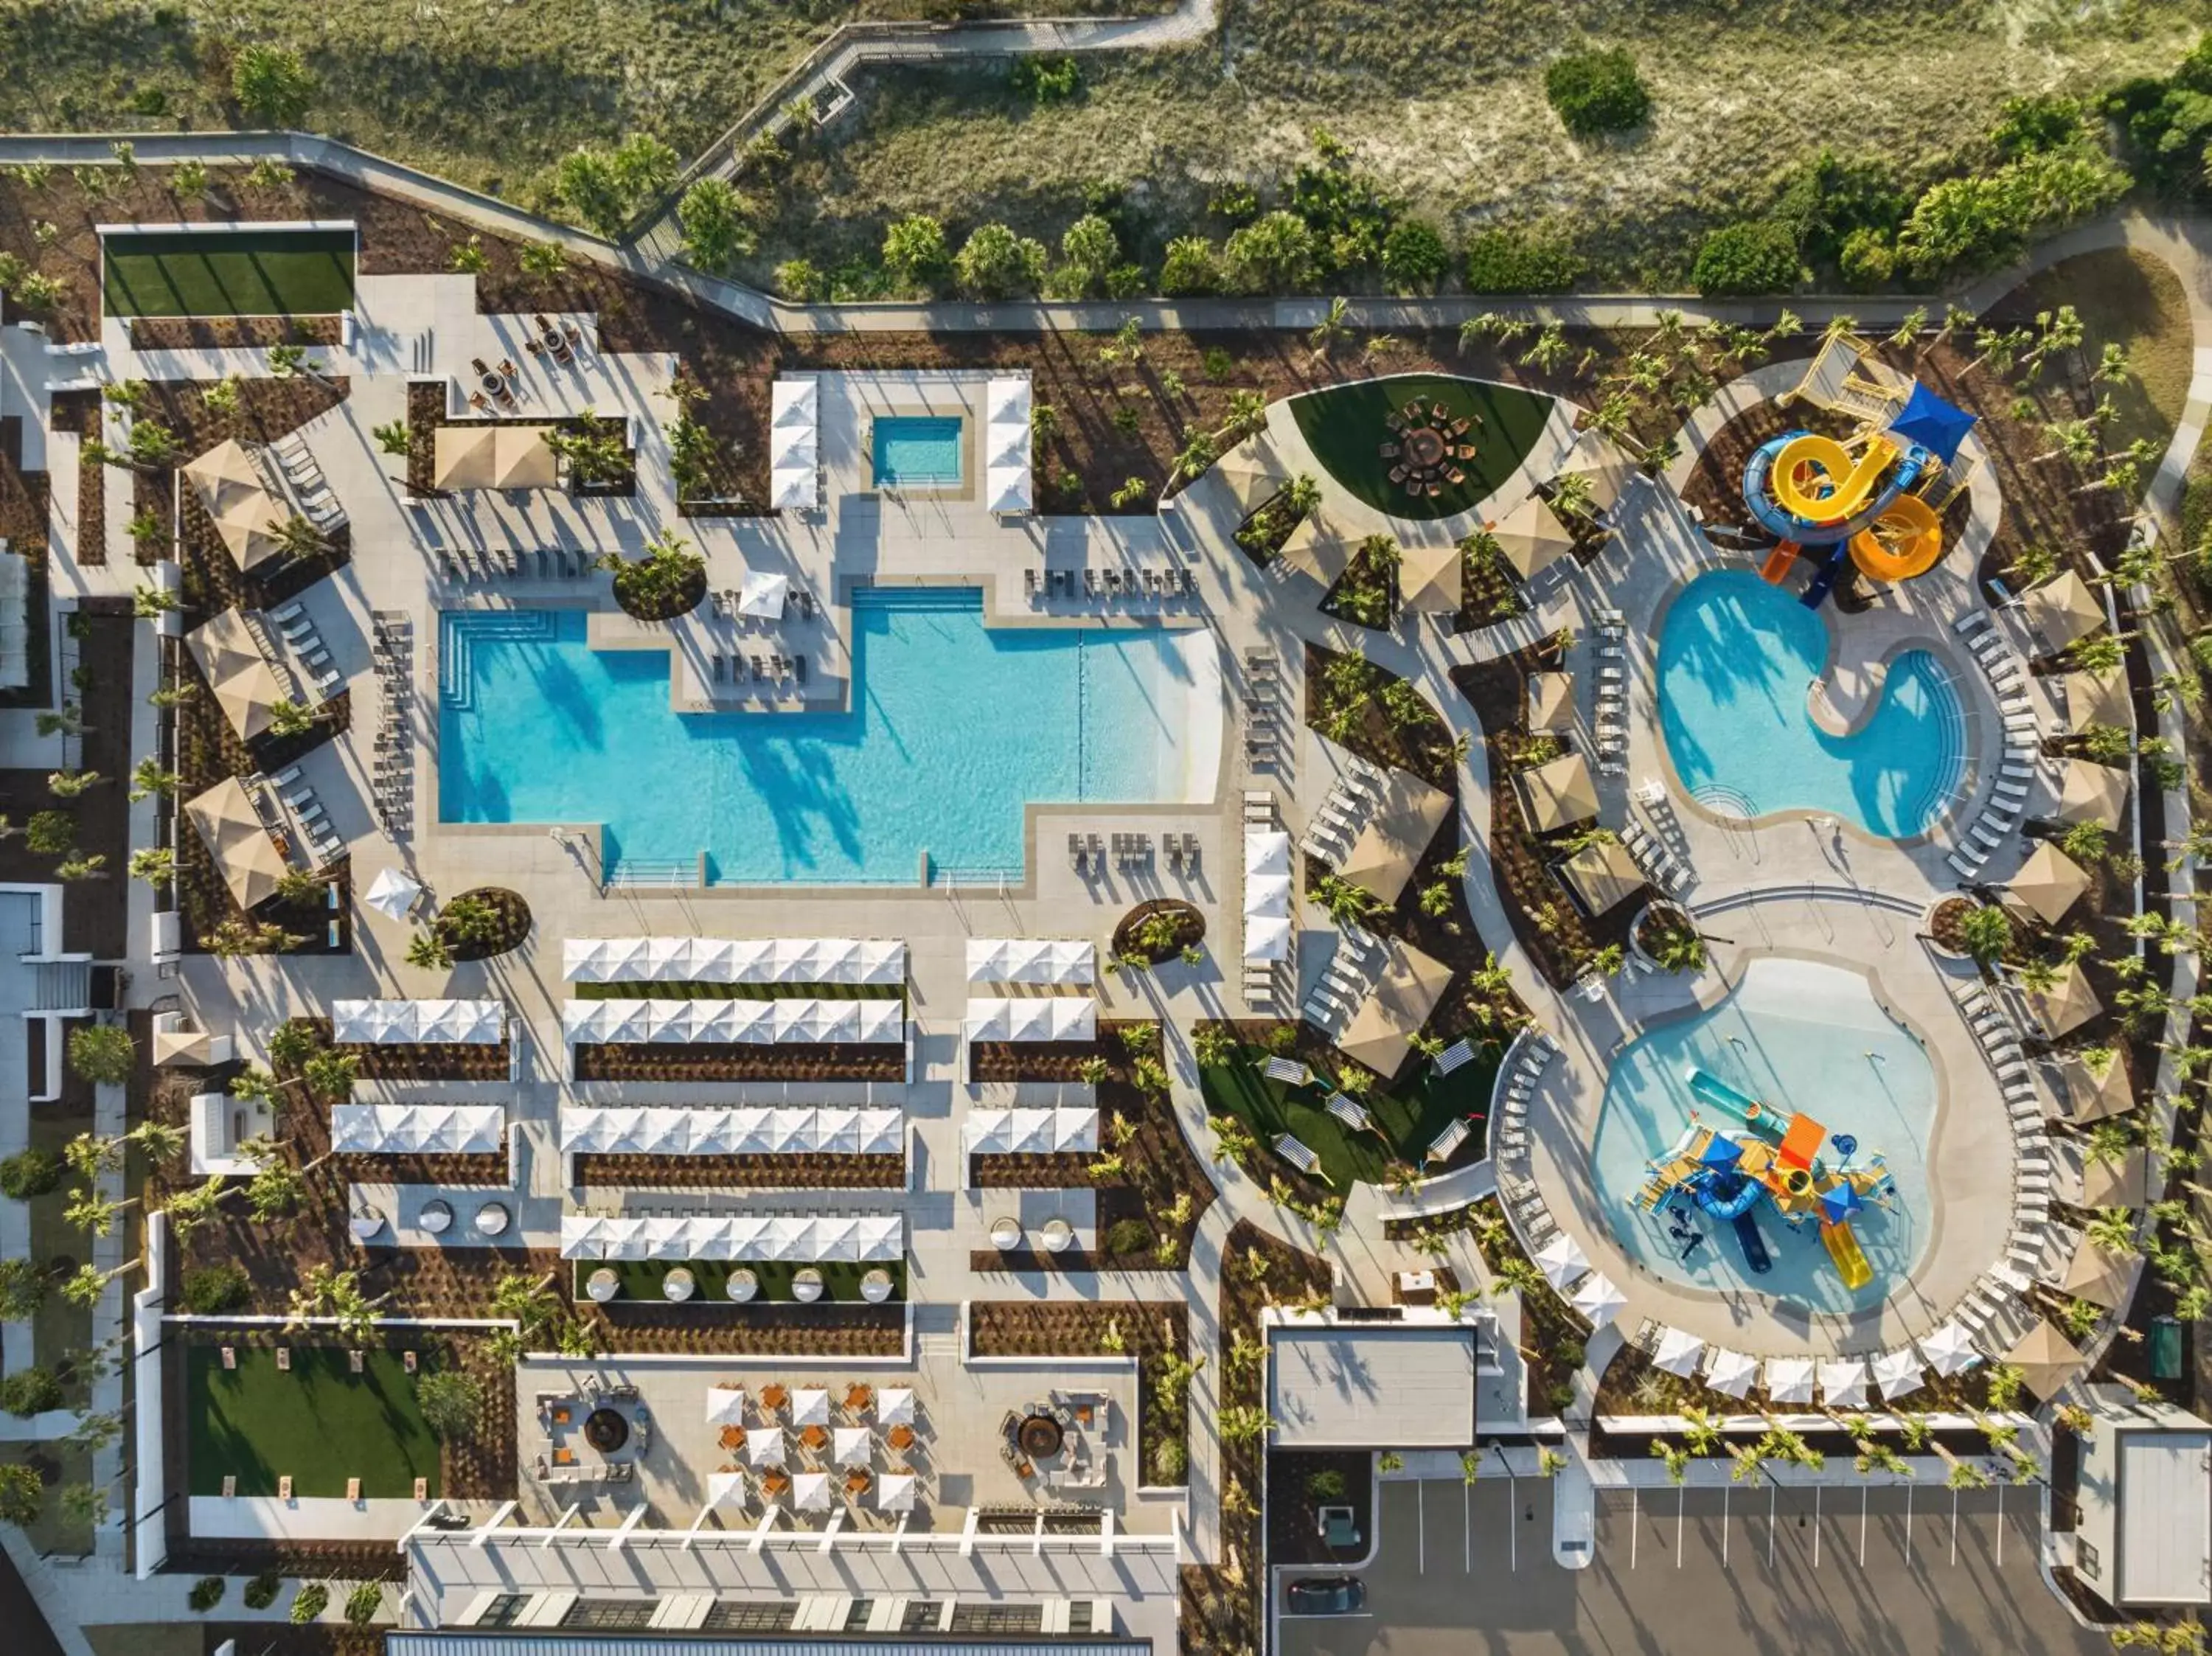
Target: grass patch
x=318, y=1425
x=59, y=1327
x=256, y=273
x=1409, y=1116
x=641, y=1279
x=2127, y=298
x=1345, y=427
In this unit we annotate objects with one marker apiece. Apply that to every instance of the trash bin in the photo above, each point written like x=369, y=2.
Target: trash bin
x=2165, y=1349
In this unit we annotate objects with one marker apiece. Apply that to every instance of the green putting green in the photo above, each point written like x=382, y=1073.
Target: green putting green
x=1347, y=426
x=219, y=273
x=319, y=1424
x=1409, y=1117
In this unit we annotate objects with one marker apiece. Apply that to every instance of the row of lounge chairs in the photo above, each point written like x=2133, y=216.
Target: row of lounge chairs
x=1517, y=1083
x=304, y=474
x=1344, y=814
x=1112, y=582
x=1667, y=872
x=307, y=808
x=1262, y=700
x=391, y=647
x=298, y=628
x=2008, y=680
x=459, y=565
x=771, y=669
x=2029, y=1237
x=1346, y=982
x=1611, y=703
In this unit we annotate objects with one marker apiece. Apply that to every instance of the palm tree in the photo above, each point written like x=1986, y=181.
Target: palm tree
x=1331, y=330
x=292, y=362
x=1908, y=328
x=298, y=538
x=1248, y=417
x=1549, y=349
x=2113, y=1229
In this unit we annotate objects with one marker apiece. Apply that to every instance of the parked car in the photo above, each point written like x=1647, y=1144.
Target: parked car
x=1326, y=1595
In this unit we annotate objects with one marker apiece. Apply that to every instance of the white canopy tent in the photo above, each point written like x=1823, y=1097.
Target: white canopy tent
x=894, y=1492
x=1598, y=1300
x=1842, y=1382
x=1065, y=1018
x=1949, y=1349
x=762, y=594
x=1267, y=894
x=1039, y=1132
x=1790, y=1380
x=1898, y=1374
x=418, y=1022
x=850, y=1445
x=895, y=1406
x=1678, y=1352
x=724, y=1489
x=1732, y=1373
x=418, y=1129
x=726, y=960
x=732, y=1023
x=1562, y=1261
x=809, y=1491
x=874, y=1237
x=726, y=1406
x=795, y=444
x=1061, y=961
x=392, y=894
x=765, y=1447
x=738, y=1130
x=1007, y=446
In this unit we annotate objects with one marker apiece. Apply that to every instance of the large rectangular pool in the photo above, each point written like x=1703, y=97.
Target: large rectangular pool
x=917, y=451
x=953, y=727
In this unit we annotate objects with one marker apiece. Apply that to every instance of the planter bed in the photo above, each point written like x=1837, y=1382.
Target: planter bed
x=1552, y=1332
x=442, y=1169
x=1294, y=1511
x=660, y=1328
x=1187, y=925
x=512, y=919
x=79, y=412
x=188, y=333
x=825, y=1061
x=811, y=1172
x=1065, y=1328
x=1032, y=1060
x=641, y=1281
x=737, y=991
x=1023, y=1261
x=412, y=1062
x=1054, y=1170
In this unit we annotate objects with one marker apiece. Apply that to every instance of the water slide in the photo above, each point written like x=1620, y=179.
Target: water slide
x=1721, y=1096
x=1904, y=541
x=1809, y=489
x=1850, y=1259
x=1753, y=1242
x=1726, y=1196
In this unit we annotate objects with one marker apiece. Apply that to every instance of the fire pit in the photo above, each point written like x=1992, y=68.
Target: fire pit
x=1039, y=1436
x=606, y=1430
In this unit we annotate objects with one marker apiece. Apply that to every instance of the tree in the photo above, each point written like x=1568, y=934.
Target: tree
x=1595, y=92
x=309, y=1602
x=452, y=1402
x=1276, y=254
x=334, y=1294
x=428, y=950
x=24, y=1287
x=1414, y=257
x=994, y=263
x=23, y=1494
x=331, y=1075
x=28, y=1392
x=272, y=84
x=718, y=227
x=1987, y=932
x=668, y=581
x=293, y=363
x=915, y=253
x=364, y=1604
x=85, y=1504
x=1754, y=256
x=393, y=437
x=30, y=1173
x=1189, y=268
x=148, y=780
x=1092, y=252
x=102, y=1054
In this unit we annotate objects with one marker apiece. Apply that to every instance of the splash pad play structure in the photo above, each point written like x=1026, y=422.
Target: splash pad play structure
x=1876, y=497
x=1767, y=1157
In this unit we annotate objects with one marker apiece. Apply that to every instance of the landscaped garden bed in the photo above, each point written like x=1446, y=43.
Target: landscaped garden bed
x=805, y=1172
x=1158, y=930
x=1299, y=1484
x=1667, y=936
x=644, y=1282
x=484, y=924
x=826, y=1061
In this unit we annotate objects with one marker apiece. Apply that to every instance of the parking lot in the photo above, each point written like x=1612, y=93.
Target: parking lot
x=1896, y=1571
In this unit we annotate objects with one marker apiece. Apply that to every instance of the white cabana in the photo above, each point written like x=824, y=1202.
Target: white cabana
x=809, y=1491
x=392, y=894
x=418, y=1129
x=1266, y=939
x=1562, y=1261
x=894, y=1492
x=1790, y=1380
x=732, y=1023
x=725, y=1489
x=726, y=1406
x=1732, y=1374
x=810, y=1406
x=1061, y=1017
x=764, y=1448
x=1267, y=894
x=1949, y=1349
x=1061, y=961
x=1598, y=1300
x=418, y=1022
x=895, y=1406
x=795, y=444
x=726, y=959
x=762, y=594
x=850, y=1445
x=1007, y=446
x=870, y=1238
x=1842, y=1382
x=1678, y=1352
x=1898, y=1374
x=735, y=1129
x=1039, y=1132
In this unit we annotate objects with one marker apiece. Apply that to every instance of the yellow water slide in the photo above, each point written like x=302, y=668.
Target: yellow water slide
x=1905, y=541
x=1815, y=478
x=1850, y=1259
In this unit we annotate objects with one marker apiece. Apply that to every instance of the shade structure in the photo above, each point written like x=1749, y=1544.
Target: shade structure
x=1006, y=444
x=1603, y=876
x=1607, y=470
x=1720, y=1151
x=1251, y=474
x=725, y=1490
x=895, y=1406
x=2093, y=1092
x=1551, y=702
x=2046, y=1359
x=765, y=1447
x=1267, y=938
x=810, y=1406
x=246, y=513
x=2099, y=1277
x=733, y=1129
x=762, y=594
x=1430, y=579
x=1558, y=795
x=245, y=685
x=2092, y=793
x=1732, y=1373
x=1398, y=831
x=2121, y=1181
x=496, y=456
x=392, y=894
x=700, y=1022
x=1898, y=1374
x=1058, y=1017
x=1060, y=961
x=1598, y=1300
x=810, y=1492
x=191, y=1048
x=1267, y=895
x=1838, y=1202
x=851, y=1446
x=2099, y=697
x=1842, y=1382
x=245, y=855
x=732, y=960
x=874, y=1238
x=1320, y=547
x=1678, y=1353
x=1531, y=538
x=1040, y=1131
x=1790, y=1380
x=2062, y=609
x=894, y=1492
x=1932, y=422
x=1382, y=1030
x=418, y=1129
x=1562, y=1261
x=726, y=1406
x=2066, y=1005
x=418, y=1022
x=1949, y=1349
x=2048, y=884
x=795, y=444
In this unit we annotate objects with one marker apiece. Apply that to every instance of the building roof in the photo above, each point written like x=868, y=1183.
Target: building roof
x=1361, y=1386
x=2145, y=1503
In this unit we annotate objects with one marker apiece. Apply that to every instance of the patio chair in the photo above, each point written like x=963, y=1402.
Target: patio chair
x=284, y=1361
x=353, y=1489
x=284, y=1489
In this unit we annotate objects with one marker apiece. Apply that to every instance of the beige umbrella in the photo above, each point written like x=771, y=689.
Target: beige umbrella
x=1551, y=702
x=2046, y=1360
x=2066, y=1005
x=1531, y=537
x=245, y=685
x=1610, y=471
x=522, y=458
x=2062, y=610
x=2097, y=699
x=1429, y=579
x=1403, y=997
x=2093, y=1092
x=1251, y=475
x=1319, y=547
x=243, y=853
x=192, y=1048
x=2124, y=1181
x=2048, y=884
x=2098, y=1277
x=1384, y=858
x=246, y=514
x=2093, y=793
x=1558, y=795
x=1603, y=876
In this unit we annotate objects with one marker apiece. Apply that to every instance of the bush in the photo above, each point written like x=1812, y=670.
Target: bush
x=30, y=1173
x=310, y=1601
x=1758, y=256
x=668, y=581
x=801, y=281
x=1868, y=259
x=261, y=1591
x=1046, y=79
x=452, y=1402
x=1276, y=254
x=994, y=263
x=102, y=1054
x=1328, y=1484
x=915, y=252
x=1127, y=1236
x=364, y=1604
x=30, y=1391
x=1597, y=92
x=1190, y=268
x=215, y=1289
x=1520, y=262
x=1415, y=258
x=1170, y=1460
x=1973, y=223
x=207, y=1592
x=2038, y=122
x=272, y=84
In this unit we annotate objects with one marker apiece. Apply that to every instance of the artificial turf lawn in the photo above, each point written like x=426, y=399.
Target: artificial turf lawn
x=1411, y=1115
x=256, y=273
x=1346, y=425
x=318, y=1425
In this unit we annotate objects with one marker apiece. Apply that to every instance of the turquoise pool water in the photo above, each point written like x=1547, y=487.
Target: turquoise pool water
x=1735, y=658
x=917, y=451
x=1802, y=1036
x=953, y=726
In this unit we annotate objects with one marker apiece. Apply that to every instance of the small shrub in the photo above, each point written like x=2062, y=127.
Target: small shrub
x=1755, y=256
x=364, y=1604
x=1510, y=261
x=1595, y=92
x=30, y=1173
x=30, y=1391
x=207, y=1592
x=215, y=1289
x=1127, y=1236
x=1170, y=1460
x=1046, y=79
x=1326, y=1485
x=261, y=1591
x=452, y=1401
x=310, y=1601
x=1866, y=259
x=1415, y=258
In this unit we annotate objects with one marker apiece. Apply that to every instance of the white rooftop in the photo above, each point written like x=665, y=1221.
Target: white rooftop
x=1361, y=1386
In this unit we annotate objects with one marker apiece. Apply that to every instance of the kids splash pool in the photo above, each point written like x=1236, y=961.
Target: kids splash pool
x=1736, y=658
x=1804, y=1040
x=952, y=727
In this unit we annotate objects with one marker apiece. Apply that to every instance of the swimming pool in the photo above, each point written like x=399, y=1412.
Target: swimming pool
x=1799, y=1035
x=1736, y=657
x=917, y=451
x=953, y=727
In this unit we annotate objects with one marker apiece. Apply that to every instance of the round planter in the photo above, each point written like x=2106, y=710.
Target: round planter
x=602, y=1285
x=678, y=1285
x=512, y=927
x=493, y=1219
x=806, y=1286
x=876, y=1287
x=742, y=1286
x=1652, y=912
x=1188, y=928
x=437, y=1217
x=1934, y=924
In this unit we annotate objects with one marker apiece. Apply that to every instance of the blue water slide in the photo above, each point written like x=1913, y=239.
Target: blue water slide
x=1758, y=499
x=1748, y=1238
x=1718, y=1094
x=1726, y=1196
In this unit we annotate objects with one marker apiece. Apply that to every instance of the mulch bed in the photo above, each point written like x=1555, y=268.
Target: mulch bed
x=1189, y=928
x=827, y=1061
x=1294, y=1512
x=1031, y=1060
x=1031, y=1259
x=1947, y=923
x=1063, y=1328
x=825, y=1331
x=449, y=1167
x=267, y=409
x=427, y=1061
x=185, y=333
x=514, y=928
x=743, y=1172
